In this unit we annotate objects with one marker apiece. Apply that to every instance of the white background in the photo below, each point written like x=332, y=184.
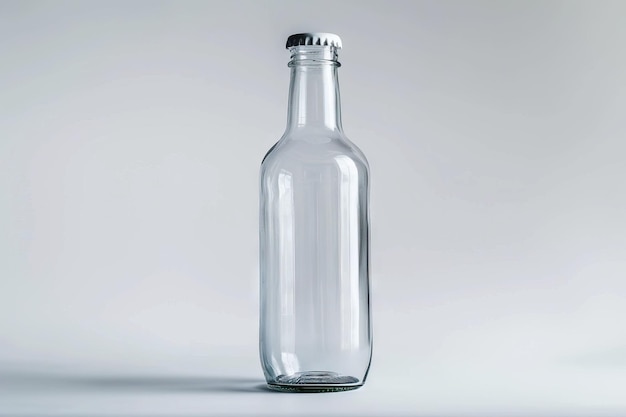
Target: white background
x=130, y=139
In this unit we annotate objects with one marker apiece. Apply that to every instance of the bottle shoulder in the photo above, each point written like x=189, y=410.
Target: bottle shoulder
x=323, y=163
x=315, y=150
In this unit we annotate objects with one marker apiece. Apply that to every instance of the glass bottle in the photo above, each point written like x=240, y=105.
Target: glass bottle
x=315, y=332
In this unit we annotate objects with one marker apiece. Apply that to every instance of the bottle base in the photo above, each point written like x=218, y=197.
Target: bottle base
x=314, y=381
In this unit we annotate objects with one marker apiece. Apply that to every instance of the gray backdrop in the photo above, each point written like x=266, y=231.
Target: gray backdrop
x=130, y=139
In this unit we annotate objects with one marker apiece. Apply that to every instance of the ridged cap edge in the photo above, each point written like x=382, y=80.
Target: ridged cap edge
x=314, y=39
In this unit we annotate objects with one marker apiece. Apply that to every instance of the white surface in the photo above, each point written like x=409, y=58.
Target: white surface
x=228, y=385
x=130, y=140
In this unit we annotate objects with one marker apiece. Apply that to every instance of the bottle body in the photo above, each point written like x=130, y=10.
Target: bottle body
x=315, y=331
x=315, y=319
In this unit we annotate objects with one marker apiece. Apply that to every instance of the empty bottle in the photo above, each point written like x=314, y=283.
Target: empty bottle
x=315, y=331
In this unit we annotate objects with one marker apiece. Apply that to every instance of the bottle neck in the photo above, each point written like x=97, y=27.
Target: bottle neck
x=314, y=90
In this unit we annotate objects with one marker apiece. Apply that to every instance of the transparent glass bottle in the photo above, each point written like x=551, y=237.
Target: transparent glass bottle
x=315, y=332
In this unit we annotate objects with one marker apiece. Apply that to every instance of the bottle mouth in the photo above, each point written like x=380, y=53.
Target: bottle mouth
x=313, y=55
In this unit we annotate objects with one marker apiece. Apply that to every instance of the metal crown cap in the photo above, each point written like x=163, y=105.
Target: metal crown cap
x=314, y=38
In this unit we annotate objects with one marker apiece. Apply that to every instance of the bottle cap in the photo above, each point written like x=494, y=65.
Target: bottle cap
x=314, y=38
